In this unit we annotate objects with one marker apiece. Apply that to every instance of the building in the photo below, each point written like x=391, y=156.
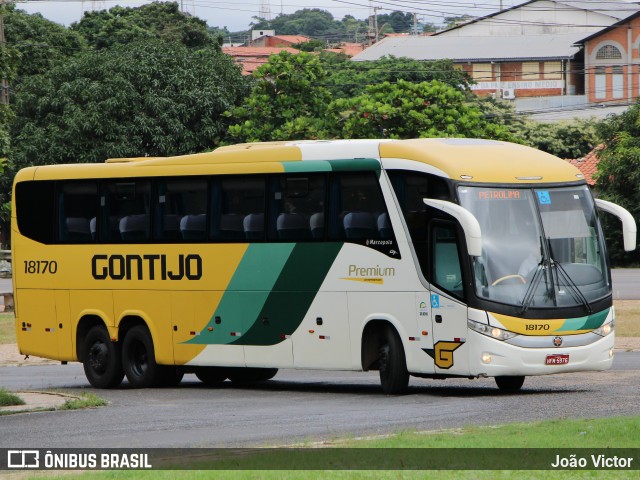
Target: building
x=529, y=50
x=251, y=58
x=612, y=62
x=510, y=66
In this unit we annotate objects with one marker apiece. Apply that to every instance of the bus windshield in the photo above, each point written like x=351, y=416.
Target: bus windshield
x=541, y=248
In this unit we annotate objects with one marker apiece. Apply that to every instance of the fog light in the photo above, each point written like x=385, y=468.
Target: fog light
x=486, y=358
x=611, y=353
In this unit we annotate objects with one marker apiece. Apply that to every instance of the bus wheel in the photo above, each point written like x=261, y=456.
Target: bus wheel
x=394, y=376
x=510, y=383
x=211, y=376
x=138, y=358
x=251, y=375
x=169, y=376
x=101, y=359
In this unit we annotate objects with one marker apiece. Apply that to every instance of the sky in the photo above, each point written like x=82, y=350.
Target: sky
x=237, y=15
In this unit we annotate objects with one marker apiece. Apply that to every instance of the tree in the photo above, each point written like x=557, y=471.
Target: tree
x=122, y=25
x=563, y=139
x=450, y=22
x=411, y=110
x=399, y=22
x=41, y=44
x=308, y=21
x=348, y=78
x=618, y=175
x=149, y=98
x=285, y=103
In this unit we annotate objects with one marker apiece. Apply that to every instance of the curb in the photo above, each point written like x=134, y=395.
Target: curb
x=36, y=401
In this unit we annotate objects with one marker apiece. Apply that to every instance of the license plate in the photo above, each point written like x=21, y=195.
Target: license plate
x=558, y=359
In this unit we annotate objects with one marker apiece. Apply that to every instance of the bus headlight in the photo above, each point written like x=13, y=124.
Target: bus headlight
x=489, y=331
x=605, y=329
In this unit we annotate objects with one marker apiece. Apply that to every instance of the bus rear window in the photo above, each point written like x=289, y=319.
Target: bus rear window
x=35, y=209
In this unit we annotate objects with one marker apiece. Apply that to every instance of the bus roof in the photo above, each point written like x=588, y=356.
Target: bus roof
x=472, y=160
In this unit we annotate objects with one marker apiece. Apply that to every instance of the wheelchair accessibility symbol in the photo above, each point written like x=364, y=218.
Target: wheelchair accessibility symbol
x=435, y=301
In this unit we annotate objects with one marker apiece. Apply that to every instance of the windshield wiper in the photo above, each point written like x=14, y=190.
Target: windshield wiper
x=575, y=290
x=537, y=276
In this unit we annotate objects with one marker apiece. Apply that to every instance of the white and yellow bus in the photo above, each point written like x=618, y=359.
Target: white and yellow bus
x=434, y=257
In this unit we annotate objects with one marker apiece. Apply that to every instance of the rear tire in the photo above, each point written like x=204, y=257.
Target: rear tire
x=211, y=376
x=251, y=375
x=138, y=358
x=101, y=359
x=394, y=376
x=510, y=383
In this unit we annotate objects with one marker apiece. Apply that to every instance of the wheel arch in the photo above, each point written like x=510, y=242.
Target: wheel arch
x=373, y=336
x=85, y=324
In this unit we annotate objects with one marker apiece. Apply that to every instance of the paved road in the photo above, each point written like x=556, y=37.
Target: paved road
x=626, y=283
x=303, y=405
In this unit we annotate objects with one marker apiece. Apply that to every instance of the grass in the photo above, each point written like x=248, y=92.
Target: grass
x=85, y=400
x=365, y=454
x=8, y=399
x=7, y=328
x=627, y=318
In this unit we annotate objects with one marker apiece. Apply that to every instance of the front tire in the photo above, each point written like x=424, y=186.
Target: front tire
x=101, y=359
x=139, y=360
x=394, y=376
x=511, y=383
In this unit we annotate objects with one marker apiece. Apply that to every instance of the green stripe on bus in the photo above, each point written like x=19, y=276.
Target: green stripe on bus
x=247, y=292
x=590, y=322
x=356, y=164
x=292, y=294
x=307, y=166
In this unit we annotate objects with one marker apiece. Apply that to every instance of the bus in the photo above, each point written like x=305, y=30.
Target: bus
x=434, y=258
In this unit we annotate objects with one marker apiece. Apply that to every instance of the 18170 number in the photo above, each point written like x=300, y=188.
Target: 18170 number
x=40, y=266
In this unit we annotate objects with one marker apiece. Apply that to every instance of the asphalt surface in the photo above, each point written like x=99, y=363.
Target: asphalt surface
x=299, y=406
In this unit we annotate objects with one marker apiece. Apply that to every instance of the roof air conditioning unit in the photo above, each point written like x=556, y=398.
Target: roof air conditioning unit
x=508, y=94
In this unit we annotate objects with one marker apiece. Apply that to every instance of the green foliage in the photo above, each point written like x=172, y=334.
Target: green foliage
x=123, y=25
x=348, y=79
x=399, y=22
x=573, y=139
x=39, y=43
x=148, y=98
x=411, y=110
x=618, y=177
x=285, y=103
x=314, y=22
x=8, y=398
x=310, y=46
x=450, y=22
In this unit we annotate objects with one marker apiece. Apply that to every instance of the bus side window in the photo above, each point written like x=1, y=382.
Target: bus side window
x=181, y=210
x=126, y=214
x=357, y=208
x=447, y=273
x=238, y=206
x=77, y=207
x=297, y=207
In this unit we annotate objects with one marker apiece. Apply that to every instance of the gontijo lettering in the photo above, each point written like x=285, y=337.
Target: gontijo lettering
x=146, y=267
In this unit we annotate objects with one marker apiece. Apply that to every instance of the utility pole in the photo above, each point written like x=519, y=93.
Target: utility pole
x=415, y=23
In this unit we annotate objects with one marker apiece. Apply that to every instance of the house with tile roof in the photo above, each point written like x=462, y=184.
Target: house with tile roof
x=588, y=164
x=252, y=58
